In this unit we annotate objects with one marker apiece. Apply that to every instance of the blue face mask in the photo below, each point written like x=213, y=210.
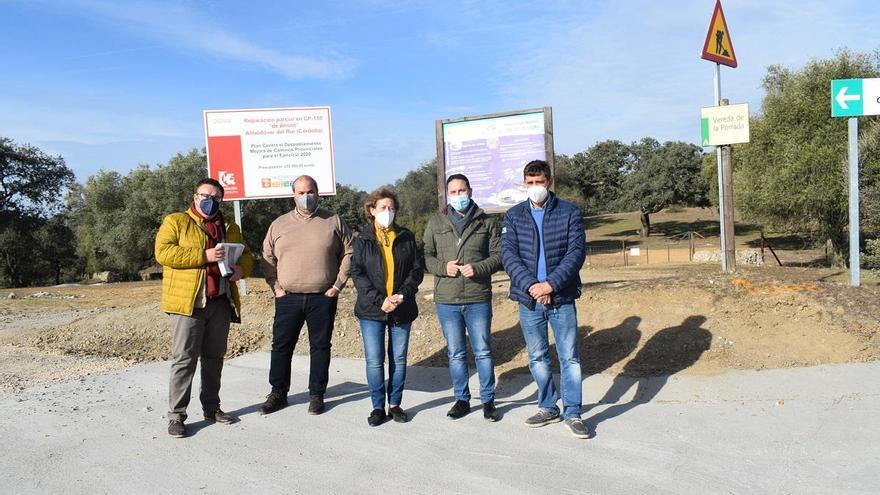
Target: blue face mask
x=460, y=203
x=209, y=206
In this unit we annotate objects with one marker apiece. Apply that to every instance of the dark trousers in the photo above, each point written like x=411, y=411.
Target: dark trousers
x=200, y=337
x=291, y=312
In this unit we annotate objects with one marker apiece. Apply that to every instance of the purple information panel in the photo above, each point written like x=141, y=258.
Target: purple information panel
x=492, y=152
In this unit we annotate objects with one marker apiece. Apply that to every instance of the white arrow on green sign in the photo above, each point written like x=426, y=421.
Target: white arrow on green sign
x=855, y=97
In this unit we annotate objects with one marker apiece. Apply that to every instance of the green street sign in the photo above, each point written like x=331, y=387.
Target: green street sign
x=855, y=97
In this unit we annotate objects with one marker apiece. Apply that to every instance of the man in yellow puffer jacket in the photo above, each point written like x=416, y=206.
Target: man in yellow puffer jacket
x=200, y=302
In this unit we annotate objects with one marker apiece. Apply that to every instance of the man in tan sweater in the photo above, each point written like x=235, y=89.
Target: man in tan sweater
x=306, y=256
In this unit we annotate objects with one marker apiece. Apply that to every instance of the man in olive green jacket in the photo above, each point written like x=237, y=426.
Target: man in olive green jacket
x=462, y=251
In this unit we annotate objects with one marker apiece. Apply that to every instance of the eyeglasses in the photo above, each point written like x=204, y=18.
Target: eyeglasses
x=208, y=196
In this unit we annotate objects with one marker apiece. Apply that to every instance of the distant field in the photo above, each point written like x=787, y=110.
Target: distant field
x=669, y=231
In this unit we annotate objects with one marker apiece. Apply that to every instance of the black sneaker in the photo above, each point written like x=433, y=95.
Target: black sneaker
x=577, y=428
x=459, y=409
x=316, y=404
x=398, y=414
x=489, y=411
x=543, y=418
x=377, y=417
x=275, y=401
x=176, y=428
x=219, y=416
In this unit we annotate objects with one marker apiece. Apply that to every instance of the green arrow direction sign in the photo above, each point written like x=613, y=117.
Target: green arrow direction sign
x=855, y=97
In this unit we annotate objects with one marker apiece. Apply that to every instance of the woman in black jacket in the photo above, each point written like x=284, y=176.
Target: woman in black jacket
x=387, y=268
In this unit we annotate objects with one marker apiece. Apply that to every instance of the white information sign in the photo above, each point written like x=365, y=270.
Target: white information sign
x=726, y=124
x=258, y=153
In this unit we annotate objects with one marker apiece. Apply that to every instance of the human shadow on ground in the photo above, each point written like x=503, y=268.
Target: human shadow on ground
x=667, y=352
x=599, y=351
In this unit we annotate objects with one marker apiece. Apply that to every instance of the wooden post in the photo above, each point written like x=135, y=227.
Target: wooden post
x=730, y=237
x=690, y=246
x=623, y=244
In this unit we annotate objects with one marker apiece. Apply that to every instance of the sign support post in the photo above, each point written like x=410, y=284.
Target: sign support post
x=854, y=98
x=242, y=284
x=722, y=224
x=854, y=266
x=719, y=49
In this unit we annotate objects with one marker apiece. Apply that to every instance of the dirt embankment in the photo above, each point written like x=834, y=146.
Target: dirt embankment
x=637, y=321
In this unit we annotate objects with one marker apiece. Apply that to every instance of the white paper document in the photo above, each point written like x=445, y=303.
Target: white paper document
x=233, y=251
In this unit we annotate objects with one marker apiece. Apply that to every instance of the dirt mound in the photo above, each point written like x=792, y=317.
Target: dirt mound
x=637, y=321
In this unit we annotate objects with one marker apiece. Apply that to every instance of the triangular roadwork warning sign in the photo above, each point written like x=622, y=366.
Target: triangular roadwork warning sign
x=718, y=47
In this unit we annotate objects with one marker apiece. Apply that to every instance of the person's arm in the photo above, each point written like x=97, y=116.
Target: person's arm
x=170, y=253
x=269, y=263
x=346, y=239
x=521, y=276
x=575, y=253
x=361, y=278
x=246, y=260
x=414, y=277
x=433, y=264
x=491, y=264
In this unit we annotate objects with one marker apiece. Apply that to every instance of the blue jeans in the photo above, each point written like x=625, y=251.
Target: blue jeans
x=563, y=319
x=476, y=318
x=373, y=333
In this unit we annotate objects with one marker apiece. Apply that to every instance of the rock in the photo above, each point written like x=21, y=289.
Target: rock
x=11, y=295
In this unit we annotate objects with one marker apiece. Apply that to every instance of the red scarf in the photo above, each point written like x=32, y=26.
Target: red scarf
x=214, y=228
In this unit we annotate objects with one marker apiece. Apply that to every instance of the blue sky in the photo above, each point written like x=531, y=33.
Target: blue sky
x=112, y=84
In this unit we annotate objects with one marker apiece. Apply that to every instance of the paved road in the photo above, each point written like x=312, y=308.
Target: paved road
x=810, y=430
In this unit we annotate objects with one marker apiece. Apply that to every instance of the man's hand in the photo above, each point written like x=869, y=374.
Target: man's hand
x=331, y=292
x=215, y=254
x=452, y=268
x=545, y=300
x=280, y=293
x=237, y=273
x=466, y=270
x=540, y=289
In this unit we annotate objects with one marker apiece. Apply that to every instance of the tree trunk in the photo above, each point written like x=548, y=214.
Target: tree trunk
x=646, y=225
x=837, y=254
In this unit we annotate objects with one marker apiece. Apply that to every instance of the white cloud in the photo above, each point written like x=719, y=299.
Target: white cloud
x=180, y=27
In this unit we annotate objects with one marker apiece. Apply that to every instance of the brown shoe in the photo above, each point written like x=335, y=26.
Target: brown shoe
x=219, y=417
x=316, y=404
x=275, y=401
x=176, y=428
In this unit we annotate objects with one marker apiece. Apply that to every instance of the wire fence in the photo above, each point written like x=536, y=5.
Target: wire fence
x=623, y=253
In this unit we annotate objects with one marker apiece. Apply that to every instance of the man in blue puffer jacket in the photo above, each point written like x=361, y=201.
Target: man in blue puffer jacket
x=543, y=247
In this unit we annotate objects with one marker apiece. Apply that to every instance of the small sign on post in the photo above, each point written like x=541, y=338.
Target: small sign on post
x=855, y=97
x=728, y=124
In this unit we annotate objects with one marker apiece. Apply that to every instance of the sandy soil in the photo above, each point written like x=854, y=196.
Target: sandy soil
x=638, y=321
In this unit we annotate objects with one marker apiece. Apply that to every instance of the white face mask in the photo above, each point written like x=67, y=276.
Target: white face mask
x=385, y=218
x=537, y=194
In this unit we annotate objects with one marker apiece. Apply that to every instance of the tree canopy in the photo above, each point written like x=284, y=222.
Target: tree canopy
x=793, y=174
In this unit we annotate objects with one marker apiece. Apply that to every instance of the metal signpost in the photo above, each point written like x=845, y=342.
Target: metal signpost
x=719, y=49
x=854, y=98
